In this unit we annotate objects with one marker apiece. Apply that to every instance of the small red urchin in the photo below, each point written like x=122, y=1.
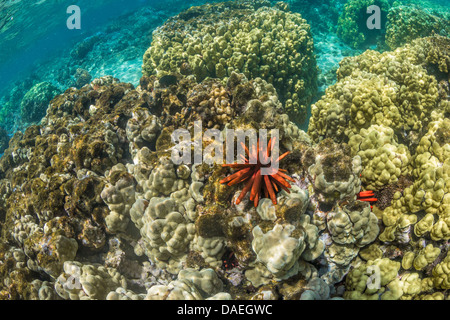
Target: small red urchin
x=252, y=173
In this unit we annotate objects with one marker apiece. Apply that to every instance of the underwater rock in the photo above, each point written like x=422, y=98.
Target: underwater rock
x=4, y=140
x=35, y=102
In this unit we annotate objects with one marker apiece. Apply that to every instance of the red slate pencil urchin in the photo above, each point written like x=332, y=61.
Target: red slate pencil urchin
x=367, y=196
x=251, y=173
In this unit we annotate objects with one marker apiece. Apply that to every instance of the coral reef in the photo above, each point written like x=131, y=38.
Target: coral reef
x=98, y=168
x=215, y=40
x=94, y=203
x=396, y=89
x=429, y=192
x=4, y=139
x=406, y=23
x=352, y=23
x=383, y=159
x=35, y=101
x=95, y=179
x=398, y=133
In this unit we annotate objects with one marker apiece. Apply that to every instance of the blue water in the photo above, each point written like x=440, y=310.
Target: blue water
x=16, y=64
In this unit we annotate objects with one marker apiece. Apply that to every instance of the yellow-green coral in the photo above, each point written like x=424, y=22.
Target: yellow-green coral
x=426, y=256
x=371, y=252
x=434, y=147
x=408, y=259
x=352, y=24
x=441, y=274
x=424, y=225
x=369, y=280
x=434, y=296
x=393, y=89
x=430, y=191
x=405, y=288
x=215, y=40
x=383, y=159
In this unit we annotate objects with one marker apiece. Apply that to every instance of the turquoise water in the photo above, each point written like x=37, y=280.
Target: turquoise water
x=359, y=90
